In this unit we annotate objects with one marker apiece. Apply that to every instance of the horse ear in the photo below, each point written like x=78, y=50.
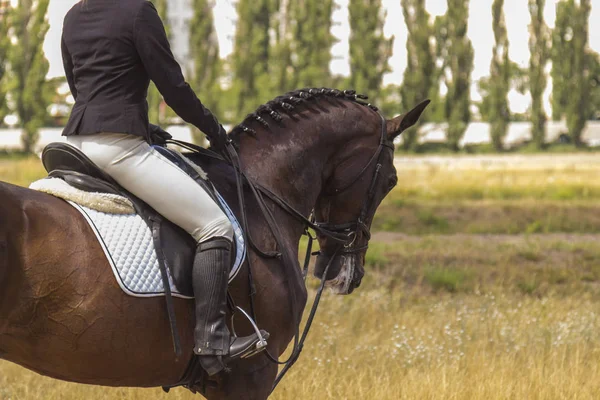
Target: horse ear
x=402, y=122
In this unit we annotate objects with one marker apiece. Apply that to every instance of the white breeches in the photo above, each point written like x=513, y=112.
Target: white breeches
x=147, y=174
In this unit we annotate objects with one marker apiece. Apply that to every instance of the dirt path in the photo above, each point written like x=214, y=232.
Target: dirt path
x=391, y=237
x=501, y=161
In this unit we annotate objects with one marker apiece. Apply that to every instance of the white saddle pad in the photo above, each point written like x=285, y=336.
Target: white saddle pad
x=128, y=246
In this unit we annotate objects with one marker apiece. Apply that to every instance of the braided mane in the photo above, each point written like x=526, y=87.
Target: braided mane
x=286, y=103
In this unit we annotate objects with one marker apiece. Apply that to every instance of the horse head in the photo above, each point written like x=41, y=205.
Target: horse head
x=363, y=174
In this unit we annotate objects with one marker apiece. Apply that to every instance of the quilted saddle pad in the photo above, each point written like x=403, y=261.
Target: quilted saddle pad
x=128, y=246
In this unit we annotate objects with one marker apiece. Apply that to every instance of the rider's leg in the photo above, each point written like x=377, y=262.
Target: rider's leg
x=147, y=174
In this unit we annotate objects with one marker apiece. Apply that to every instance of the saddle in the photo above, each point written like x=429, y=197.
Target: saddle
x=174, y=247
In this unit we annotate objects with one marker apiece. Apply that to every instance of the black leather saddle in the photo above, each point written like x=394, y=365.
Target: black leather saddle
x=175, y=248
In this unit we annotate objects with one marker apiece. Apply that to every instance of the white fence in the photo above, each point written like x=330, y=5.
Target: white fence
x=518, y=132
x=477, y=133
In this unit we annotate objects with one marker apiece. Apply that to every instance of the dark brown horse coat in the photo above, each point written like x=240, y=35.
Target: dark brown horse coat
x=66, y=317
x=63, y=315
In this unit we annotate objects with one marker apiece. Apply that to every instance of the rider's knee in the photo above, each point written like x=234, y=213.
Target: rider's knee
x=220, y=227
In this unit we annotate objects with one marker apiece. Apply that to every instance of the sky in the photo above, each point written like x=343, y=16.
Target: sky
x=480, y=32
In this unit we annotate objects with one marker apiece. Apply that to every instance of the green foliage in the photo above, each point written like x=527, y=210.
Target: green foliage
x=528, y=287
x=281, y=52
x=311, y=42
x=369, y=49
x=538, y=47
x=419, y=81
x=579, y=94
x=279, y=46
x=575, y=68
x=376, y=256
x=204, y=50
x=455, y=51
x=561, y=52
x=4, y=48
x=28, y=66
x=594, y=76
x=389, y=101
x=450, y=280
x=155, y=99
x=500, y=79
x=250, y=57
x=518, y=80
x=431, y=220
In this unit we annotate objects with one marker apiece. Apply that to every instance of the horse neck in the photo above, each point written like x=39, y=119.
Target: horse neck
x=290, y=164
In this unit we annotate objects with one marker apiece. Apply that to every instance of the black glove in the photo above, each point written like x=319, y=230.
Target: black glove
x=219, y=142
x=158, y=135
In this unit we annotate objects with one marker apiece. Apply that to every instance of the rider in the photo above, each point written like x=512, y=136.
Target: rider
x=111, y=50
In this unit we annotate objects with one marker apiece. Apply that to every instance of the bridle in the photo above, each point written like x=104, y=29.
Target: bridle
x=352, y=230
x=345, y=234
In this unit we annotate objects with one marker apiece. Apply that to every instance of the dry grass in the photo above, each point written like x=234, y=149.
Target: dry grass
x=492, y=194
x=487, y=216
x=499, y=178
x=556, y=178
x=438, y=317
x=21, y=171
x=374, y=345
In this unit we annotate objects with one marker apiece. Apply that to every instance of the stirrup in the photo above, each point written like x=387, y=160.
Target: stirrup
x=262, y=335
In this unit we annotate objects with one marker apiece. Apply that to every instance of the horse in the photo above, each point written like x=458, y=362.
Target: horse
x=62, y=314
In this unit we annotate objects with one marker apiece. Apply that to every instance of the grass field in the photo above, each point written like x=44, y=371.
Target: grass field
x=483, y=282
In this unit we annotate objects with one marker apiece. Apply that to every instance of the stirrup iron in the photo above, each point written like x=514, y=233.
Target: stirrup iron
x=262, y=339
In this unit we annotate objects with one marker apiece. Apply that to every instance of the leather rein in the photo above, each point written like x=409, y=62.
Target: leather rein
x=345, y=234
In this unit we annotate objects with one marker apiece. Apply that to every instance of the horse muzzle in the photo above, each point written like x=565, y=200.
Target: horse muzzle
x=345, y=272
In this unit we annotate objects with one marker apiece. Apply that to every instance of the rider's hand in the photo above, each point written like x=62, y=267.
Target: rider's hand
x=158, y=135
x=219, y=142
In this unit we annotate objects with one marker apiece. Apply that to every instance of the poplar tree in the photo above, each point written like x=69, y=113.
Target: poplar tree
x=579, y=93
x=574, y=68
x=250, y=56
x=538, y=47
x=204, y=50
x=311, y=42
x=518, y=80
x=420, y=77
x=594, y=75
x=500, y=77
x=29, y=67
x=562, y=57
x=281, y=52
x=155, y=99
x=370, y=51
x=4, y=48
x=455, y=50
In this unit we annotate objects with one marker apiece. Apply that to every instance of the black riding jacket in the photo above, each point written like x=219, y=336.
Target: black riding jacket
x=111, y=50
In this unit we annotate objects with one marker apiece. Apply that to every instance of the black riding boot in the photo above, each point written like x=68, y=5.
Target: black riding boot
x=213, y=342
